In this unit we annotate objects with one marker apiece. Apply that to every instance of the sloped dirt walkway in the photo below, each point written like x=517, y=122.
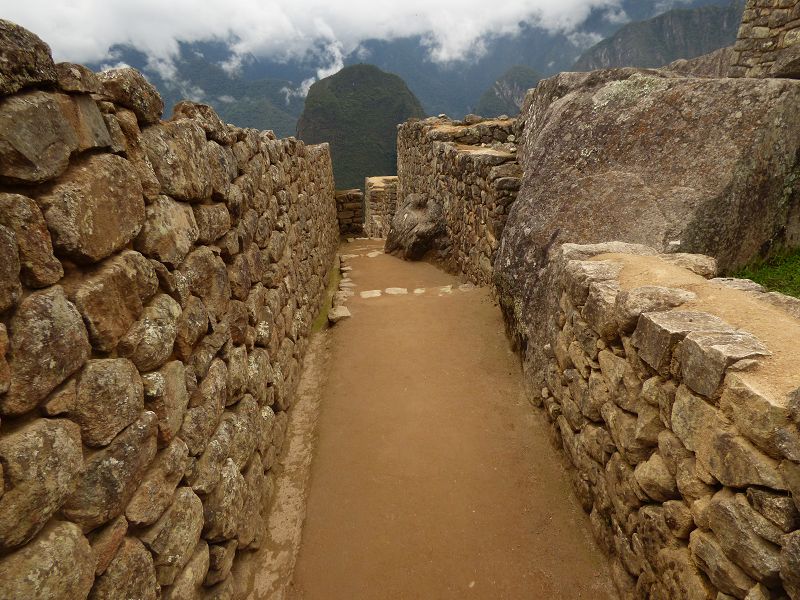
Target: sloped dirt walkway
x=432, y=477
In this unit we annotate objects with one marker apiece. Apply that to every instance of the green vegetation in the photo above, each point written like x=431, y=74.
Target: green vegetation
x=506, y=95
x=357, y=111
x=779, y=274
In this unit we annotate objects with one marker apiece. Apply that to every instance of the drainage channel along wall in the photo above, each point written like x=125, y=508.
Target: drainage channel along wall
x=470, y=168
x=675, y=399
x=380, y=203
x=157, y=287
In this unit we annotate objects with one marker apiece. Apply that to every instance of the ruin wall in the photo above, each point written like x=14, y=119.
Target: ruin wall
x=673, y=395
x=767, y=44
x=158, y=284
x=380, y=203
x=350, y=211
x=471, y=169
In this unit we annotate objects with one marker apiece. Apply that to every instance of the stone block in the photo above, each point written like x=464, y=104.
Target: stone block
x=42, y=462
x=213, y=221
x=95, y=209
x=166, y=395
x=10, y=286
x=630, y=304
x=705, y=356
x=46, y=329
x=130, y=575
x=179, y=155
x=113, y=474
x=148, y=343
x=174, y=536
x=156, y=492
x=657, y=333
x=39, y=267
x=127, y=87
x=723, y=573
x=169, y=231
x=25, y=61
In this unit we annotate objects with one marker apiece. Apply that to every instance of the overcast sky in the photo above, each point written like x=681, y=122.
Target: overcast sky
x=83, y=30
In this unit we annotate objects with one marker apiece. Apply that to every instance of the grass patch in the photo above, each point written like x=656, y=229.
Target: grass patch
x=779, y=274
x=334, y=276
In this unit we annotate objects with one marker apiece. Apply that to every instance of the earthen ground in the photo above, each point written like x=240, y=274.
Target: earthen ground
x=432, y=476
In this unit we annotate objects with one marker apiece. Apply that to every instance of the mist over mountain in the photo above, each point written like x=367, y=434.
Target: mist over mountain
x=506, y=95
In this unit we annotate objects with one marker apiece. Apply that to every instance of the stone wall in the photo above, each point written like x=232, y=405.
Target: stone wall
x=350, y=211
x=470, y=169
x=674, y=399
x=380, y=203
x=158, y=282
x=767, y=45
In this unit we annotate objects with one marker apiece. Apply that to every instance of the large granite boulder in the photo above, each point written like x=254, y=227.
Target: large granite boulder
x=417, y=228
x=24, y=59
x=647, y=157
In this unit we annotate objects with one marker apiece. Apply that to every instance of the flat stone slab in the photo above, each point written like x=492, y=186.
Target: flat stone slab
x=466, y=287
x=338, y=313
x=446, y=289
x=371, y=294
x=373, y=254
x=396, y=291
x=419, y=291
x=347, y=284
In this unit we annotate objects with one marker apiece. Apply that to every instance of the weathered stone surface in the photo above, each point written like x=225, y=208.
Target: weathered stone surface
x=728, y=456
x=95, y=209
x=208, y=278
x=192, y=325
x=36, y=138
x=87, y=121
x=130, y=575
x=188, y=583
x=39, y=267
x=24, y=59
x=630, y=304
x=77, y=78
x=41, y=463
x=657, y=334
x=778, y=508
x=169, y=231
x=179, y=155
x=213, y=221
x=705, y=266
x=599, y=308
x=111, y=300
x=222, y=509
x=622, y=427
x=5, y=369
x=205, y=473
x=166, y=395
x=206, y=117
x=113, y=474
x=220, y=562
x=129, y=88
x=705, y=356
x=46, y=329
x=109, y=397
x=106, y=541
x=136, y=154
x=157, y=489
x=206, y=406
x=654, y=478
x=149, y=341
x=761, y=416
x=173, y=537
x=10, y=287
x=731, y=522
x=723, y=573
x=58, y=563
x=790, y=564
x=417, y=228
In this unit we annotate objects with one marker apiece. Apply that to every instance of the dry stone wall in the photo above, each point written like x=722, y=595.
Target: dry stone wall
x=350, y=211
x=380, y=203
x=469, y=169
x=157, y=287
x=767, y=44
x=674, y=399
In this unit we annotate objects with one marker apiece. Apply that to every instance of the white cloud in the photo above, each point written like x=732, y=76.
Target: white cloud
x=84, y=30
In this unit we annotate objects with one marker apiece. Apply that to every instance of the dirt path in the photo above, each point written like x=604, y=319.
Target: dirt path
x=432, y=477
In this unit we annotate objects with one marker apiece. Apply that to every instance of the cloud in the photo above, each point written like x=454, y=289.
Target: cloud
x=85, y=30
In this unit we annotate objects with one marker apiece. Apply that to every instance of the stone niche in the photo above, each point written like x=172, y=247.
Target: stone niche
x=158, y=285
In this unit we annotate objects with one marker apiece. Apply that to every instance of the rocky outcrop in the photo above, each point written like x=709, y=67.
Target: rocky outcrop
x=417, y=228
x=158, y=285
x=679, y=164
